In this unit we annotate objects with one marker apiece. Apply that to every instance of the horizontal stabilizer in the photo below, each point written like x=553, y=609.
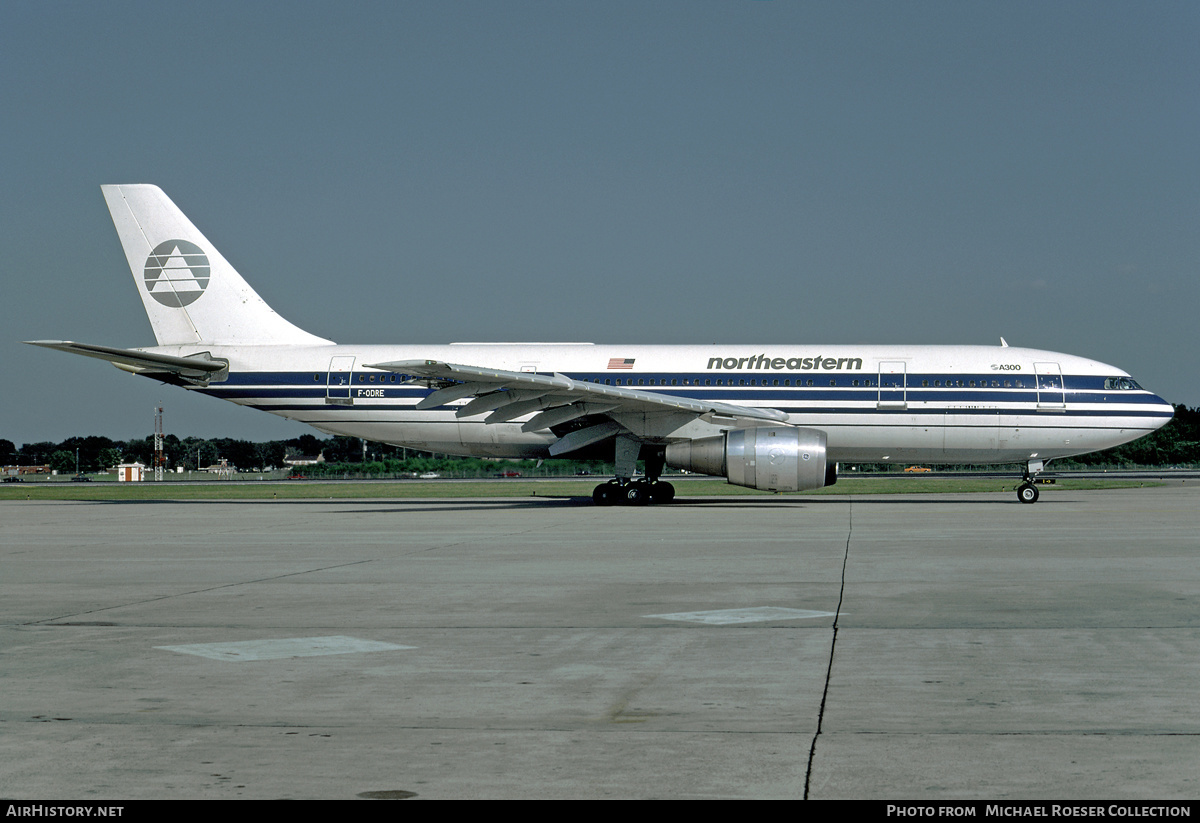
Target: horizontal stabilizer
x=200, y=367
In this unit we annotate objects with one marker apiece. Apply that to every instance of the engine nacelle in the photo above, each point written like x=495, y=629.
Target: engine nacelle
x=770, y=458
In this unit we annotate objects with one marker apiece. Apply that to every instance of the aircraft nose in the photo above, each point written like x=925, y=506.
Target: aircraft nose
x=1167, y=409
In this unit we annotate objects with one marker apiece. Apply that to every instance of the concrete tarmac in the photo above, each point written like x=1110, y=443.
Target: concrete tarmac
x=892, y=647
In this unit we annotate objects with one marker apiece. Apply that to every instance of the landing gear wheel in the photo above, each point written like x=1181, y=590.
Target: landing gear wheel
x=606, y=494
x=635, y=494
x=661, y=492
x=1027, y=493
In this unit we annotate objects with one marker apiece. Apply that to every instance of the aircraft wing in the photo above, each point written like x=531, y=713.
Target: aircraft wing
x=508, y=395
x=195, y=369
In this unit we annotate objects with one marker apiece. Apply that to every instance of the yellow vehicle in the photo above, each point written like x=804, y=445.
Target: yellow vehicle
x=918, y=469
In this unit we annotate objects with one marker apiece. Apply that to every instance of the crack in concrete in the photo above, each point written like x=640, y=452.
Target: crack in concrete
x=812, y=752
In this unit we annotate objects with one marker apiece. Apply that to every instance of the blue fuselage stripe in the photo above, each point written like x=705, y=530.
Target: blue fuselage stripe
x=270, y=391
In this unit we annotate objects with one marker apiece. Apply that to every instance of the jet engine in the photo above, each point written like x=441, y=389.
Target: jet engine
x=769, y=458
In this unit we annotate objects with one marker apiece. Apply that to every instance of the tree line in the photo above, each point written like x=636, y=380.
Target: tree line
x=342, y=455
x=98, y=453
x=1175, y=444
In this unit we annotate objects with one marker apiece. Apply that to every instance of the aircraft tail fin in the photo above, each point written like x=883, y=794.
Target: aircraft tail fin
x=191, y=293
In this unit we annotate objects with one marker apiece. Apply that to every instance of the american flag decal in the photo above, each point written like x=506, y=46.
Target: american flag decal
x=620, y=363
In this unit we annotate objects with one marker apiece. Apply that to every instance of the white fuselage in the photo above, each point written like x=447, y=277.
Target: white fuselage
x=935, y=404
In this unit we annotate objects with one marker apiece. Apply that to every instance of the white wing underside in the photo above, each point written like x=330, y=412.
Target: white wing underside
x=556, y=399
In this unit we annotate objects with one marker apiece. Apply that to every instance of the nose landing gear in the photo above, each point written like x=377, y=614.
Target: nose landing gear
x=1027, y=492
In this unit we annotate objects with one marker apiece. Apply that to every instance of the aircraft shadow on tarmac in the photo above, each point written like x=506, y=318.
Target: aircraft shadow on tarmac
x=506, y=504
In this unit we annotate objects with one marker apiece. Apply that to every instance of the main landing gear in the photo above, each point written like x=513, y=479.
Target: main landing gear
x=627, y=490
x=638, y=491
x=1027, y=492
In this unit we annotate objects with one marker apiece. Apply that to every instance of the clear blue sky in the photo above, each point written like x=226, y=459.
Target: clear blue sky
x=669, y=172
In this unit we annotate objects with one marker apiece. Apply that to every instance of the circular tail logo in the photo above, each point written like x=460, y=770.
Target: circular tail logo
x=177, y=273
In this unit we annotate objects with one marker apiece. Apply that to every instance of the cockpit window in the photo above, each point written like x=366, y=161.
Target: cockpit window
x=1121, y=384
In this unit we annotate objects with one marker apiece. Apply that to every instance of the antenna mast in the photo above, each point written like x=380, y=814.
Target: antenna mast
x=159, y=460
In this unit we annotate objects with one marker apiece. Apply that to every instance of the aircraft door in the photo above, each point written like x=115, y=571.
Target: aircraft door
x=892, y=385
x=1050, y=387
x=337, y=384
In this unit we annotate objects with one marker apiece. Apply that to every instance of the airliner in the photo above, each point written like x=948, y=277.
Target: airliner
x=775, y=418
